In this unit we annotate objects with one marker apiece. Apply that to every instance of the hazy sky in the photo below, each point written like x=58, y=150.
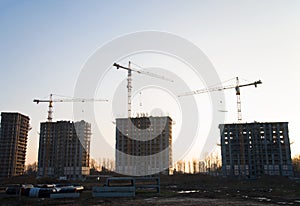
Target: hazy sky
x=44, y=45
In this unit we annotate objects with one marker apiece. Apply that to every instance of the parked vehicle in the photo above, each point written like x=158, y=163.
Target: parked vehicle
x=25, y=189
x=79, y=188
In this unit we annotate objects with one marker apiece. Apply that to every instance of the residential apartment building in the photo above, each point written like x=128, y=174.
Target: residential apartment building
x=144, y=145
x=64, y=149
x=13, y=143
x=255, y=149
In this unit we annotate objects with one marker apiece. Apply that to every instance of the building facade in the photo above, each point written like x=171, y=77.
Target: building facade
x=255, y=149
x=64, y=149
x=144, y=145
x=13, y=144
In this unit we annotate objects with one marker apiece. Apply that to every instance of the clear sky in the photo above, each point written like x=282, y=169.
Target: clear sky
x=44, y=45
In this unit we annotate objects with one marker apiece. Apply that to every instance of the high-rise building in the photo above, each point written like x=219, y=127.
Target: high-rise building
x=255, y=149
x=144, y=145
x=64, y=149
x=13, y=143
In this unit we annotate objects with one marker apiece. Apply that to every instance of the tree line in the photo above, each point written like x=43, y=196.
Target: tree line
x=211, y=164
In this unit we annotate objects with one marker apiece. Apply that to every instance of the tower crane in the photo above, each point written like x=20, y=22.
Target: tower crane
x=129, y=81
x=237, y=87
x=51, y=100
x=47, y=150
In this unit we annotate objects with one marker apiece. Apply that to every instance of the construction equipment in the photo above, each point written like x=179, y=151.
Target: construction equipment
x=237, y=87
x=49, y=123
x=129, y=81
x=51, y=100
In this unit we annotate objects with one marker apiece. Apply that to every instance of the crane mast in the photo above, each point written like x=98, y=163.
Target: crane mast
x=240, y=128
x=238, y=100
x=129, y=89
x=50, y=111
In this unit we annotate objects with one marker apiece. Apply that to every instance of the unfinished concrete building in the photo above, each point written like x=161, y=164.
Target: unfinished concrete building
x=13, y=143
x=64, y=149
x=144, y=145
x=255, y=149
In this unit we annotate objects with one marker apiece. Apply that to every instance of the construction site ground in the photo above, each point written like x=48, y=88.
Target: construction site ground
x=188, y=190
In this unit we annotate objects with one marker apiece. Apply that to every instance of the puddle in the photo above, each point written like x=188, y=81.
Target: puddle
x=150, y=199
x=188, y=191
x=262, y=199
x=282, y=203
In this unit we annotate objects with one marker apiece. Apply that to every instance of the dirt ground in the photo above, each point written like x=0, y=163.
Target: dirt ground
x=188, y=190
x=159, y=201
x=185, y=201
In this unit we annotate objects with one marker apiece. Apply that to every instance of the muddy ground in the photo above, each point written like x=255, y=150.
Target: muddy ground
x=189, y=190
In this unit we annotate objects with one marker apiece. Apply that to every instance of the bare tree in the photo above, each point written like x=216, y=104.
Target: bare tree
x=31, y=168
x=296, y=165
x=189, y=167
x=195, y=166
x=202, y=167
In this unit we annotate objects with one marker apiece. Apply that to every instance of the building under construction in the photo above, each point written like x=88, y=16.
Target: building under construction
x=255, y=149
x=144, y=145
x=64, y=149
x=13, y=143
